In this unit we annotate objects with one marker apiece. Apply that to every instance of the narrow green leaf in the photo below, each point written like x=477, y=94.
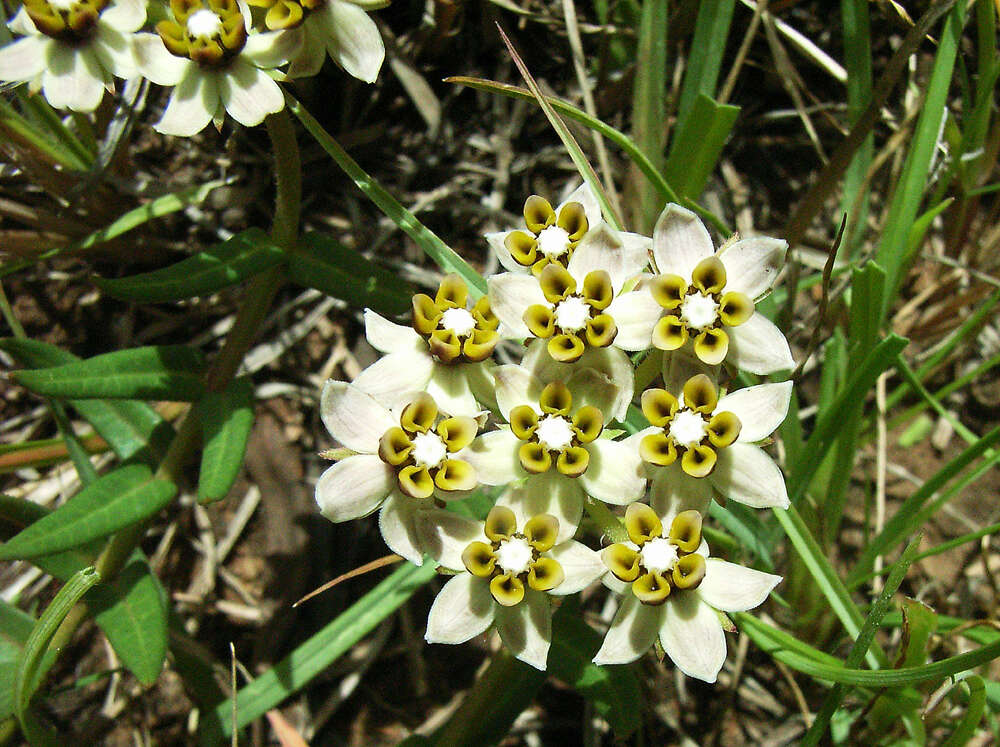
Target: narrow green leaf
x=704, y=58
x=698, y=144
x=858, y=62
x=220, y=266
x=325, y=264
x=117, y=500
x=649, y=100
x=919, y=622
x=226, y=418
x=316, y=654
x=170, y=372
x=433, y=246
x=967, y=725
x=15, y=627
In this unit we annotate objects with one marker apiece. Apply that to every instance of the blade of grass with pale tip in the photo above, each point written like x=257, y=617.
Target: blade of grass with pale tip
x=649, y=92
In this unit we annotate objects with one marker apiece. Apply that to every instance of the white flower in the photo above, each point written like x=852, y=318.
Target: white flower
x=216, y=64
x=342, y=29
x=708, y=296
x=699, y=441
x=580, y=306
x=72, y=49
x=401, y=463
x=506, y=574
x=554, y=445
x=673, y=591
x=444, y=352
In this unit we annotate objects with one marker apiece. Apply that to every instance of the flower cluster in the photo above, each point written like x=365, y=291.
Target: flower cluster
x=436, y=418
x=218, y=55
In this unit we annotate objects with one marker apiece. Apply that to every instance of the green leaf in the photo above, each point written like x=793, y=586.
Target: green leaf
x=131, y=428
x=170, y=372
x=323, y=263
x=705, y=59
x=226, y=418
x=220, y=266
x=966, y=727
x=648, y=100
x=117, y=500
x=15, y=627
x=698, y=145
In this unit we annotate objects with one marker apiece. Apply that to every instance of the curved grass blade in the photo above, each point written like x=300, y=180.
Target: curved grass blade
x=15, y=628
x=966, y=727
x=116, y=500
x=227, y=418
x=220, y=266
x=170, y=372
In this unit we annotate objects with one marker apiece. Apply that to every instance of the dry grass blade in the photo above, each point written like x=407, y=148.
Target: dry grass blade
x=359, y=571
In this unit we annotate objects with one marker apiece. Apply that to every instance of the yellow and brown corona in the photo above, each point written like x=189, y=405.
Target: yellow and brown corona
x=698, y=311
x=555, y=438
x=210, y=33
x=285, y=14
x=574, y=317
x=550, y=238
x=656, y=563
x=421, y=450
x=512, y=559
x=690, y=429
x=66, y=20
x=455, y=332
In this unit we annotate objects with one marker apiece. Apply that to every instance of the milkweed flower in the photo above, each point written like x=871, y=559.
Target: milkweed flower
x=216, y=64
x=699, y=441
x=445, y=351
x=671, y=589
x=402, y=463
x=507, y=568
x=72, y=50
x=706, y=297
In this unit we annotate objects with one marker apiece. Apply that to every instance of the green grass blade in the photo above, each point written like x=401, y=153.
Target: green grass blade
x=442, y=254
x=698, y=145
x=15, y=628
x=858, y=63
x=649, y=102
x=226, y=419
x=966, y=727
x=704, y=58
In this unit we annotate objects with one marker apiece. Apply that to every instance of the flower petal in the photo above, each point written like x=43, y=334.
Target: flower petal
x=673, y=491
x=446, y=535
x=192, y=104
x=758, y=346
x=748, y=475
x=581, y=565
x=353, y=417
x=389, y=337
x=584, y=194
x=632, y=631
x=269, y=49
x=752, y=264
x=393, y=379
x=400, y=526
x=526, y=628
x=760, y=408
x=550, y=493
x=353, y=487
x=496, y=242
x=635, y=315
x=156, y=63
x=612, y=362
x=510, y=294
x=124, y=15
x=680, y=241
x=615, y=474
x=74, y=78
x=480, y=378
x=692, y=636
x=462, y=610
x=515, y=385
x=494, y=457
x=449, y=386
x=733, y=588
x=604, y=249
x=353, y=40
x=24, y=58
x=312, y=51
x=114, y=50
x=249, y=94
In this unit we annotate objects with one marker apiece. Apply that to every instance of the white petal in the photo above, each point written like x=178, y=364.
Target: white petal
x=758, y=346
x=480, y=378
x=312, y=52
x=752, y=265
x=510, y=294
x=192, y=104
x=615, y=474
x=157, y=64
x=680, y=241
x=680, y=365
x=494, y=457
x=446, y=535
x=692, y=636
x=400, y=527
x=603, y=249
x=249, y=94
x=353, y=417
x=636, y=246
x=733, y=588
x=632, y=631
x=760, y=408
x=22, y=24
x=269, y=49
x=586, y=197
x=635, y=315
x=74, y=79
x=114, y=50
x=581, y=565
x=389, y=337
x=354, y=42
x=748, y=475
x=550, y=493
x=353, y=487
x=673, y=491
x=125, y=15
x=462, y=610
x=515, y=385
x=392, y=380
x=612, y=362
x=526, y=628
x=496, y=243
x=591, y=387
x=25, y=58
x=449, y=386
